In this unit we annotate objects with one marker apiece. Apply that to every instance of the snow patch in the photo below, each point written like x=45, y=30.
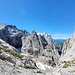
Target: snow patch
x=42, y=66
x=2, y=26
x=42, y=33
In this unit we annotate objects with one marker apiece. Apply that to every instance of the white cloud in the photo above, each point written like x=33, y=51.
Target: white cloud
x=61, y=36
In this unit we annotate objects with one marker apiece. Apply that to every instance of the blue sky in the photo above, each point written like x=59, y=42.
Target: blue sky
x=56, y=17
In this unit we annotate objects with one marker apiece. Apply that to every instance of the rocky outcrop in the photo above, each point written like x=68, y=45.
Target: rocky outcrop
x=66, y=46
x=39, y=55
x=35, y=42
x=48, y=39
x=12, y=62
x=12, y=35
x=68, y=49
x=29, y=63
x=30, y=43
x=66, y=65
x=37, y=45
x=7, y=52
x=69, y=44
x=40, y=45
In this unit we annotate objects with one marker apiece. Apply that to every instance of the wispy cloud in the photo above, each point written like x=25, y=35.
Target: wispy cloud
x=61, y=36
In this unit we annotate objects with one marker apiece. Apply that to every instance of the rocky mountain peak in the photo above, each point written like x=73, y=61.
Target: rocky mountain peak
x=2, y=26
x=40, y=46
x=34, y=35
x=68, y=48
x=47, y=37
x=34, y=32
x=12, y=35
x=38, y=52
x=11, y=26
x=38, y=42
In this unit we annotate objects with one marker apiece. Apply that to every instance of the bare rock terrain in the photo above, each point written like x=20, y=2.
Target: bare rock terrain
x=38, y=55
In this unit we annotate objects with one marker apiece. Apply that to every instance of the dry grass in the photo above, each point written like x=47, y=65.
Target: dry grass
x=69, y=63
x=12, y=52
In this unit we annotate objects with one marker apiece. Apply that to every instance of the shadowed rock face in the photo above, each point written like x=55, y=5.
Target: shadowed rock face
x=12, y=35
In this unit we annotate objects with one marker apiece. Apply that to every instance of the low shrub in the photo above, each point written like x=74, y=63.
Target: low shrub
x=12, y=52
x=66, y=65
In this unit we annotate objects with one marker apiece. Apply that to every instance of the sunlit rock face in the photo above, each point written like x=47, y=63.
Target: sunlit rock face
x=66, y=65
x=40, y=45
x=14, y=63
x=68, y=51
x=37, y=42
x=39, y=55
x=69, y=44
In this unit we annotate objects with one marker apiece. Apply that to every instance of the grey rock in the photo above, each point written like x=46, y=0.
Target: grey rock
x=5, y=45
x=66, y=46
x=43, y=42
x=29, y=63
x=7, y=57
x=4, y=55
x=35, y=42
x=12, y=35
x=48, y=39
x=40, y=45
x=30, y=43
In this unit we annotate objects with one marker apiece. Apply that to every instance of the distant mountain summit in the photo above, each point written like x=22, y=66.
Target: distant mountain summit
x=59, y=40
x=12, y=35
x=2, y=26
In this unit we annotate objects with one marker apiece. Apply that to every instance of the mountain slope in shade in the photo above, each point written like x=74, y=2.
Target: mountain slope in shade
x=12, y=35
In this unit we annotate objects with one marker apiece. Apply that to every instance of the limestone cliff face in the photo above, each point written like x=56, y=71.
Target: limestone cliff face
x=68, y=49
x=30, y=43
x=66, y=46
x=69, y=44
x=36, y=42
x=40, y=45
x=66, y=65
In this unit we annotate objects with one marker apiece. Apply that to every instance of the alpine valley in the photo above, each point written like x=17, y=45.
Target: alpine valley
x=24, y=53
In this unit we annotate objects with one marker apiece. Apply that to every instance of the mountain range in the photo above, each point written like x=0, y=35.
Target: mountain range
x=59, y=40
x=24, y=53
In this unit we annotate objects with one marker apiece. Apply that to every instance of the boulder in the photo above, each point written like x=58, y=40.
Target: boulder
x=29, y=63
